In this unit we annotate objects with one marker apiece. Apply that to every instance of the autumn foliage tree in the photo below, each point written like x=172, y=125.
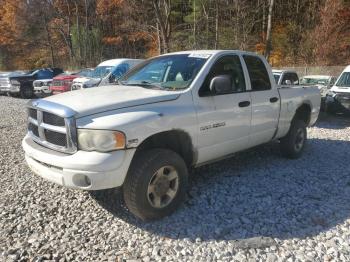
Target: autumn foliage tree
x=332, y=35
x=82, y=33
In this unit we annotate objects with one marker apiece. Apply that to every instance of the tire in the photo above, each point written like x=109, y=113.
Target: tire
x=11, y=94
x=293, y=144
x=155, y=174
x=26, y=92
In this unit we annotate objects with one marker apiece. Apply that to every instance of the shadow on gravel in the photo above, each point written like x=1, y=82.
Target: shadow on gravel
x=335, y=121
x=257, y=193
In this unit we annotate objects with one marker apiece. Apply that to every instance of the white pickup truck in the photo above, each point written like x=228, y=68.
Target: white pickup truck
x=168, y=114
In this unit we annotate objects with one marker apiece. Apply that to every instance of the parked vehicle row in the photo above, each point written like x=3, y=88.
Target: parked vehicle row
x=22, y=83
x=106, y=72
x=163, y=117
x=63, y=83
x=54, y=81
x=324, y=83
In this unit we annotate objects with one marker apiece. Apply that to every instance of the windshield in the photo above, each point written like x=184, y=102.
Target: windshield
x=101, y=71
x=344, y=80
x=172, y=72
x=277, y=77
x=85, y=72
x=314, y=81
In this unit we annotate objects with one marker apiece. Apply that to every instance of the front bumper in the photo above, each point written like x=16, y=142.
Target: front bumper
x=5, y=88
x=335, y=103
x=59, y=89
x=82, y=170
x=42, y=89
x=15, y=88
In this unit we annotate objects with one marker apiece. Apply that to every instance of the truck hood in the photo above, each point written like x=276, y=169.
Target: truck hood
x=105, y=98
x=85, y=80
x=25, y=77
x=340, y=89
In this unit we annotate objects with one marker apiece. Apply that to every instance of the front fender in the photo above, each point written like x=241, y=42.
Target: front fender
x=141, y=122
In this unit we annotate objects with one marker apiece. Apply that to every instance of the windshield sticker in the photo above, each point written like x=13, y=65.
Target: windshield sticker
x=205, y=56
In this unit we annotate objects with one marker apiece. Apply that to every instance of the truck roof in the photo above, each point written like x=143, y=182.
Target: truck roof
x=114, y=62
x=210, y=52
x=317, y=76
x=347, y=69
x=280, y=71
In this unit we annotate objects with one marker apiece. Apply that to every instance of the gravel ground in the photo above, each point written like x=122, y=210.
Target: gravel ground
x=254, y=206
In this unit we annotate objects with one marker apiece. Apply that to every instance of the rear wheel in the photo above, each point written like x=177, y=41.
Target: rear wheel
x=156, y=184
x=292, y=145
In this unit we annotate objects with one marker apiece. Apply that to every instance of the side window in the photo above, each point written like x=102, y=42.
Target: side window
x=295, y=79
x=227, y=65
x=259, y=77
x=120, y=70
x=44, y=74
x=332, y=81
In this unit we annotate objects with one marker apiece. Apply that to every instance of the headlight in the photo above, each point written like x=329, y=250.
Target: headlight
x=15, y=82
x=331, y=93
x=100, y=140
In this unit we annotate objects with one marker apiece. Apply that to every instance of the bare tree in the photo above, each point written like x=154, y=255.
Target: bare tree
x=268, y=32
x=162, y=9
x=216, y=45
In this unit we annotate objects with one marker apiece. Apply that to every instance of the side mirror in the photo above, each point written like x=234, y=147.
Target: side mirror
x=221, y=85
x=111, y=78
x=288, y=82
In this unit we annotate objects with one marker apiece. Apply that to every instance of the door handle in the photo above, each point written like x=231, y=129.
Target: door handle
x=244, y=103
x=273, y=99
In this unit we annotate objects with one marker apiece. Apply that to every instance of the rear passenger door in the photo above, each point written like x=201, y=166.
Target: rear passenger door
x=265, y=101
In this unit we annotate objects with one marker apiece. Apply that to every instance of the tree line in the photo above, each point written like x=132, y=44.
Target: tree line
x=81, y=33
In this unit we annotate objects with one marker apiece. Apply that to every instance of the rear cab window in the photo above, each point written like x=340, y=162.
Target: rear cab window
x=259, y=77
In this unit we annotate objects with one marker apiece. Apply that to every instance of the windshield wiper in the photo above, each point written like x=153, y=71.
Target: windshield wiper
x=143, y=84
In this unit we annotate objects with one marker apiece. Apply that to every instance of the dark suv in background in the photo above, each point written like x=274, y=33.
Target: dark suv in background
x=22, y=84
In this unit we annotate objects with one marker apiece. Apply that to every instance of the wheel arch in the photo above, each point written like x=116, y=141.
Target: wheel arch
x=303, y=112
x=176, y=140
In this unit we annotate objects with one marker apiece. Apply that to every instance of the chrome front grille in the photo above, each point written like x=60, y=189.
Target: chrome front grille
x=51, y=130
x=37, y=84
x=57, y=83
x=52, y=119
x=4, y=81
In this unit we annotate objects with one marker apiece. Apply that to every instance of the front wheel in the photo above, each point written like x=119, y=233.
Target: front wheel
x=26, y=92
x=156, y=184
x=292, y=145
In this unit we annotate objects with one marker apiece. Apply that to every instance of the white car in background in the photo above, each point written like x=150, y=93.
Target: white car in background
x=323, y=82
x=338, y=97
x=117, y=67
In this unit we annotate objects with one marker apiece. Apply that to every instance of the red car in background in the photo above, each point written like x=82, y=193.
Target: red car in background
x=63, y=82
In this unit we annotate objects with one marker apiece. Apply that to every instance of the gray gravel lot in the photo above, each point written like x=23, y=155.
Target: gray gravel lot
x=254, y=206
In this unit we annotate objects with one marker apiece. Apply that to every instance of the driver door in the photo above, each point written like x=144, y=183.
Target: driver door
x=224, y=119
